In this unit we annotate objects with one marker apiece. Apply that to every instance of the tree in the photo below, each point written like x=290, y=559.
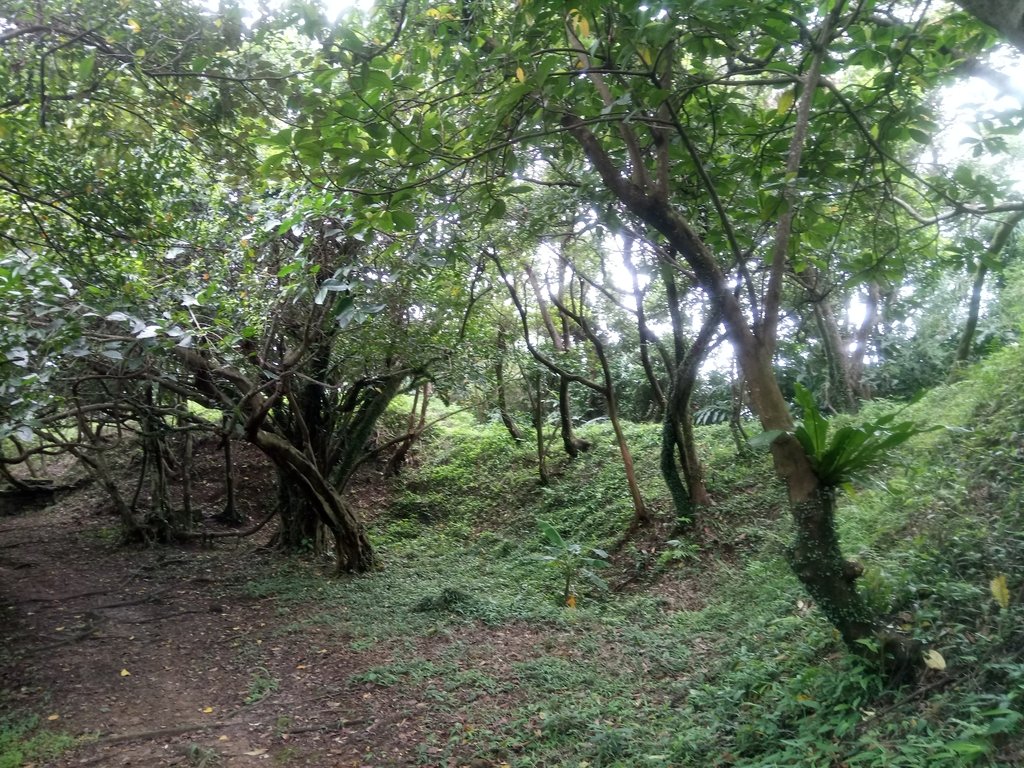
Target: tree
x=696, y=124
x=1006, y=16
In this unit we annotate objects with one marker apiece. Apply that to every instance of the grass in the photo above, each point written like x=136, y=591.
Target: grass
x=26, y=741
x=751, y=676
x=706, y=652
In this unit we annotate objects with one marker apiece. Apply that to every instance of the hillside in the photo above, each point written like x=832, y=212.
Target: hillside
x=698, y=651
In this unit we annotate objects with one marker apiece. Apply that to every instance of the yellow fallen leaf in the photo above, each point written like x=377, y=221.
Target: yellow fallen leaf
x=302, y=666
x=934, y=660
x=786, y=101
x=520, y=75
x=134, y=26
x=125, y=673
x=570, y=601
x=1000, y=592
x=207, y=710
x=53, y=717
x=222, y=738
x=256, y=752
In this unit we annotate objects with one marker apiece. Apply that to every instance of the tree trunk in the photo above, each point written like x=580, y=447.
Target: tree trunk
x=678, y=423
x=739, y=435
x=499, y=376
x=416, y=424
x=187, y=509
x=681, y=500
x=537, y=403
x=642, y=330
x=835, y=355
x=864, y=333
x=641, y=515
x=303, y=479
x=299, y=526
x=963, y=350
x=573, y=445
x=816, y=557
x=1000, y=239
x=1006, y=16
x=230, y=515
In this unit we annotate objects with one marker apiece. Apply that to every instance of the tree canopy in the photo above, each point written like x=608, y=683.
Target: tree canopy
x=267, y=226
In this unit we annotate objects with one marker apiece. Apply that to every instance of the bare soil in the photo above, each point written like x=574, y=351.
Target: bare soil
x=161, y=656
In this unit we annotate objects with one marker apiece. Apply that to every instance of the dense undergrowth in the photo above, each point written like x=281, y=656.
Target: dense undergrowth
x=706, y=652
x=697, y=652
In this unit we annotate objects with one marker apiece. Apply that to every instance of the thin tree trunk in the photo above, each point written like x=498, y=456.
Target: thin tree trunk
x=642, y=515
x=963, y=349
x=499, y=376
x=186, y=479
x=95, y=461
x=643, y=331
x=835, y=355
x=863, y=335
x=1000, y=239
x=417, y=422
x=230, y=514
x=679, y=424
x=739, y=435
x=572, y=444
x=538, y=425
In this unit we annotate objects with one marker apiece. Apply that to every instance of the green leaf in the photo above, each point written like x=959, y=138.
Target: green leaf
x=404, y=220
x=765, y=439
x=551, y=534
x=496, y=211
x=814, y=430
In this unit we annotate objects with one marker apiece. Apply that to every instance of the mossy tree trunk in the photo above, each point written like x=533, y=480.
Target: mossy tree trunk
x=316, y=439
x=689, y=492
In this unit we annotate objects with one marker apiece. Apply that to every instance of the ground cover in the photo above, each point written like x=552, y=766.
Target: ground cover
x=699, y=652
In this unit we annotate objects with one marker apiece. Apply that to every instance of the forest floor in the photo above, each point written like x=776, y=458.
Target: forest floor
x=167, y=656
x=164, y=657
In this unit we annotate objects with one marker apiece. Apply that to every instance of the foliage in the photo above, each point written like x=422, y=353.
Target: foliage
x=287, y=223
x=25, y=741
x=745, y=674
x=852, y=451
x=571, y=563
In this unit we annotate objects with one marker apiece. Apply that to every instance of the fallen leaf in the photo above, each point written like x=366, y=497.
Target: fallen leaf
x=934, y=660
x=1000, y=592
x=53, y=717
x=207, y=710
x=570, y=601
x=125, y=673
x=256, y=752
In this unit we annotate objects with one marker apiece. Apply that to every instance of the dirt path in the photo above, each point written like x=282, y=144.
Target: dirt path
x=162, y=657
x=154, y=652
x=170, y=657
x=167, y=657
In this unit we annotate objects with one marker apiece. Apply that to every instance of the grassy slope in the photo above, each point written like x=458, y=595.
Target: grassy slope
x=708, y=654
x=711, y=655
